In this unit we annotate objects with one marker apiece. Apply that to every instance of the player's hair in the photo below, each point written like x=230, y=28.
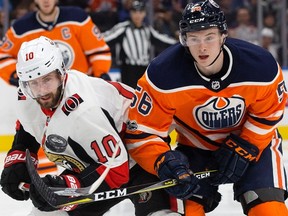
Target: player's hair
x=201, y=15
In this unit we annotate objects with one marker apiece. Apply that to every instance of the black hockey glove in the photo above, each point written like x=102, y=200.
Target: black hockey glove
x=39, y=202
x=105, y=76
x=14, y=173
x=175, y=165
x=13, y=80
x=233, y=159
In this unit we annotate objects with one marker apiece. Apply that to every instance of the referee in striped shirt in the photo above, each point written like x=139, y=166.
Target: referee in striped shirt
x=135, y=40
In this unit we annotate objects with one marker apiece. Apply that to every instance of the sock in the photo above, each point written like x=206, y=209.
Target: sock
x=193, y=209
x=269, y=208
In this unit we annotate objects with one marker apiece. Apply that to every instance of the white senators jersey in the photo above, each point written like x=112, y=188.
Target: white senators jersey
x=86, y=126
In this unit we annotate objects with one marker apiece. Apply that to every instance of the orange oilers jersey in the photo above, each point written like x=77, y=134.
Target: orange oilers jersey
x=79, y=39
x=247, y=98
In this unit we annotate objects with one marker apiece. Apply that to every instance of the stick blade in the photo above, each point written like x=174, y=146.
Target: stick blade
x=36, y=180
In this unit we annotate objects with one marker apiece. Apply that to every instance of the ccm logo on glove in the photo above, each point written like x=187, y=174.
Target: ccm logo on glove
x=239, y=150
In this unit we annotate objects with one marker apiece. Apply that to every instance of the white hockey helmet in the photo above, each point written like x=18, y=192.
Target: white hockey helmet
x=37, y=58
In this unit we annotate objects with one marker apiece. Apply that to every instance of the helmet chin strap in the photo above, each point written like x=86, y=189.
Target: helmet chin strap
x=216, y=56
x=221, y=49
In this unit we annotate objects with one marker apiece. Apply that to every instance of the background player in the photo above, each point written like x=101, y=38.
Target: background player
x=70, y=27
x=86, y=118
x=225, y=98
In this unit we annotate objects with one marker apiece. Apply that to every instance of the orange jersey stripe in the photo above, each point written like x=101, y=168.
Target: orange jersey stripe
x=251, y=106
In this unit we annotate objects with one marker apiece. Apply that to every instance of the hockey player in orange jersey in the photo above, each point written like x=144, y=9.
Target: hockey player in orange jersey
x=225, y=98
x=70, y=27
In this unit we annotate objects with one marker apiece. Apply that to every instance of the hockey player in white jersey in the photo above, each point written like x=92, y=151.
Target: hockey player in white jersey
x=79, y=121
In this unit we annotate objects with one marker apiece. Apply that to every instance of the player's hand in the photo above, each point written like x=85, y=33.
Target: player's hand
x=14, y=172
x=39, y=202
x=175, y=165
x=105, y=76
x=13, y=80
x=233, y=159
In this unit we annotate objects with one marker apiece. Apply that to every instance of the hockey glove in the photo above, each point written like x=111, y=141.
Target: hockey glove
x=233, y=158
x=39, y=202
x=14, y=173
x=175, y=165
x=105, y=76
x=13, y=80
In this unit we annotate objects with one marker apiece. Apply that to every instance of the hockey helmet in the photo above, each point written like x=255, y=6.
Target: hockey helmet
x=199, y=16
x=37, y=58
x=138, y=5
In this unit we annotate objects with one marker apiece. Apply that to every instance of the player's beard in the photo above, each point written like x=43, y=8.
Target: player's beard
x=53, y=99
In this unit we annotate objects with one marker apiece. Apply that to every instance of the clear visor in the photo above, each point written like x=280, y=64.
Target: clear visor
x=192, y=40
x=42, y=86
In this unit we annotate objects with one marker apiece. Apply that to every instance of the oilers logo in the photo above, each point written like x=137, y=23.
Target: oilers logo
x=219, y=112
x=67, y=53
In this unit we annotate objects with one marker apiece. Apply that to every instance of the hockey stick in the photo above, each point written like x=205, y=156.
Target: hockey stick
x=60, y=201
x=90, y=189
x=84, y=190
x=146, y=187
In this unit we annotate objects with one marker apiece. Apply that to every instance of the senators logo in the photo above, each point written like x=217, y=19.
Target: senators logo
x=219, y=113
x=65, y=161
x=21, y=96
x=71, y=104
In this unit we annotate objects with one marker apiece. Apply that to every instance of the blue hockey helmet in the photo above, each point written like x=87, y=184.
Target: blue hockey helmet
x=201, y=15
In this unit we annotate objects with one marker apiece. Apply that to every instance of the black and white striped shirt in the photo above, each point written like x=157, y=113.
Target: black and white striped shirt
x=136, y=43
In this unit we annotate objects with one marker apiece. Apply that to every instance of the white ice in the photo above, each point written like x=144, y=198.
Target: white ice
x=227, y=206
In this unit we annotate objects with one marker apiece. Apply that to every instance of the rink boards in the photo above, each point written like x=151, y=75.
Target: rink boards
x=8, y=109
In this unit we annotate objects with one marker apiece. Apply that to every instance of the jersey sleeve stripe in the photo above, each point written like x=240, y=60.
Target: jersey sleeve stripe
x=267, y=122
x=258, y=130
x=124, y=92
x=136, y=145
x=101, y=57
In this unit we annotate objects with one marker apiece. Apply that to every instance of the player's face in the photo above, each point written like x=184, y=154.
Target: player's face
x=46, y=7
x=205, y=45
x=47, y=89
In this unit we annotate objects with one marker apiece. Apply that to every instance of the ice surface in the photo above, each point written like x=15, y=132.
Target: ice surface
x=227, y=206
